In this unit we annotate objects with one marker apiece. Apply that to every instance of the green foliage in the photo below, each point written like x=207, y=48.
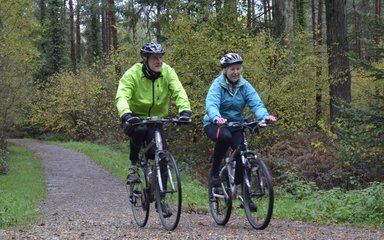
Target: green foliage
x=362, y=141
x=55, y=44
x=361, y=127
x=93, y=34
x=290, y=181
x=287, y=79
x=358, y=207
x=22, y=189
x=17, y=60
x=3, y=162
x=79, y=106
x=284, y=77
x=3, y=157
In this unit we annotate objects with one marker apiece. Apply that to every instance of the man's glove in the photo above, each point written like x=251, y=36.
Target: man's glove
x=130, y=118
x=185, y=116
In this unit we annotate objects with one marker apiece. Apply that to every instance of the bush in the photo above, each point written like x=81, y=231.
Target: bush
x=80, y=107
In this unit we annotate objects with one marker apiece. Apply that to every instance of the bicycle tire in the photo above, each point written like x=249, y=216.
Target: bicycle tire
x=139, y=200
x=260, y=193
x=171, y=194
x=220, y=204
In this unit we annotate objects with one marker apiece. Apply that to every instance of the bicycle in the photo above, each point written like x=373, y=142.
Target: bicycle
x=160, y=181
x=256, y=185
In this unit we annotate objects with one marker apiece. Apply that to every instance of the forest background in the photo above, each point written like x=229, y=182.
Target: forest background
x=317, y=65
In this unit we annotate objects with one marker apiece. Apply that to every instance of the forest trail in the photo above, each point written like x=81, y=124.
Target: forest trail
x=86, y=202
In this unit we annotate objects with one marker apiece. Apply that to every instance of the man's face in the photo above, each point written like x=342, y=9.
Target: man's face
x=155, y=62
x=233, y=72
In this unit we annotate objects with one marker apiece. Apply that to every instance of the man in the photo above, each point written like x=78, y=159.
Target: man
x=143, y=91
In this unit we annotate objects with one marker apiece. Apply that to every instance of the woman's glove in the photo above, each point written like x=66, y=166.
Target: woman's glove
x=271, y=118
x=220, y=121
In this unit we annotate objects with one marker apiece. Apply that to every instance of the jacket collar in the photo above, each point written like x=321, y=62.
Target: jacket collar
x=232, y=88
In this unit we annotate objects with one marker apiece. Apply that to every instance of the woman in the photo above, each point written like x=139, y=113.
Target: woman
x=225, y=101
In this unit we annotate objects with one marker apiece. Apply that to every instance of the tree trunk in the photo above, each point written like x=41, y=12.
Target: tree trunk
x=338, y=63
x=78, y=36
x=299, y=14
x=218, y=6
x=249, y=14
x=377, y=31
x=104, y=29
x=72, y=34
x=112, y=25
x=317, y=29
x=282, y=19
x=357, y=30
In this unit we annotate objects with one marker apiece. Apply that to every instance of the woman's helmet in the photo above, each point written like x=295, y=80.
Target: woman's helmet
x=151, y=48
x=229, y=59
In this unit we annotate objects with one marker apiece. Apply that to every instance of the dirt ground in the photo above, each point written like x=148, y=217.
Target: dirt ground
x=87, y=202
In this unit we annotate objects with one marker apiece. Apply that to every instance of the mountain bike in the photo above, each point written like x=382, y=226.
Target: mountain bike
x=256, y=185
x=160, y=181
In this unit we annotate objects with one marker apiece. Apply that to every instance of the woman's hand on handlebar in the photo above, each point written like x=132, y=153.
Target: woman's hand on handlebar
x=271, y=119
x=220, y=121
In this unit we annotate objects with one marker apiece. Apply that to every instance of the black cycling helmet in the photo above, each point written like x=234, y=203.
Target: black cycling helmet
x=151, y=48
x=229, y=59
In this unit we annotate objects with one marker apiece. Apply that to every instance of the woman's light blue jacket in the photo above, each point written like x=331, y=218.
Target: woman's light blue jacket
x=222, y=101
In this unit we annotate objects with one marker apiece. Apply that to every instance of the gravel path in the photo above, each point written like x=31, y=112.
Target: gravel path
x=87, y=202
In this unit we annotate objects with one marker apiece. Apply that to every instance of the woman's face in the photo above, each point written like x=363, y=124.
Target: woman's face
x=155, y=62
x=233, y=72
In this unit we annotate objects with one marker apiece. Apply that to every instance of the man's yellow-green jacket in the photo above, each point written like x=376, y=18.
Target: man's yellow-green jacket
x=146, y=98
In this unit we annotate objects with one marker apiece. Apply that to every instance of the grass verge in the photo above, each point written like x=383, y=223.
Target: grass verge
x=22, y=189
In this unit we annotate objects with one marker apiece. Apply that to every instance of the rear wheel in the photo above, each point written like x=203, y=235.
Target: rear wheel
x=220, y=203
x=257, y=193
x=168, y=195
x=139, y=200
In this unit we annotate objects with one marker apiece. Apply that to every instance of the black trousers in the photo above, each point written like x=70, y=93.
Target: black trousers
x=142, y=135
x=224, y=137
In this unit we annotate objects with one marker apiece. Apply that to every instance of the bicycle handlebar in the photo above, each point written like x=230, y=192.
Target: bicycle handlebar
x=247, y=124
x=156, y=120
x=251, y=126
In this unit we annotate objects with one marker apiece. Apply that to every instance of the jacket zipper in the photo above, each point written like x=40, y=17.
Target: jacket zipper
x=153, y=98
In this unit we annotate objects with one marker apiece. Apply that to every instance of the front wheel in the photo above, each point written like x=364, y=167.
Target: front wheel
x=168, y=194
x=139, y=200
x=257, y=193
x=220, y=202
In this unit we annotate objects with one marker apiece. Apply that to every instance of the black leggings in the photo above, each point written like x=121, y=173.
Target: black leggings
x=223, y=138
x=142, y=134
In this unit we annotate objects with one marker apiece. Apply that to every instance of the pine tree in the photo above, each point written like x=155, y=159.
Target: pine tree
x=55, y=45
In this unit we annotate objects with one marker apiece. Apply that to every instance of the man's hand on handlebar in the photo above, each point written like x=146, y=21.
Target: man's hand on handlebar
x=130, y=118
x=185, y=116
